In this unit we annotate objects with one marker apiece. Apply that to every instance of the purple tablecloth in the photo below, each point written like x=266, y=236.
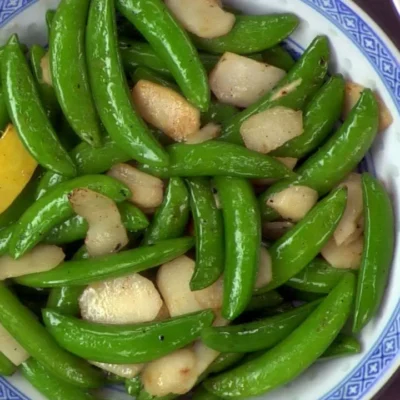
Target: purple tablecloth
x=385, y=14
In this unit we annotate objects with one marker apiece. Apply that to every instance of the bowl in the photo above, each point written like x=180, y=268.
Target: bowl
x=363, y=53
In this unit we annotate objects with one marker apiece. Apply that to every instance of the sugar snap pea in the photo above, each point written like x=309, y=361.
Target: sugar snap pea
x=343, y=345
x=200, y=393
x=223, y=362
x=69, y=70
x=214, y=158
x=242, y=226
x=27, y=113
x=143, y=73
x=317, y=277
x=294, y=354
x=110, y=90
x=172, y=45
x=7, y=368
x=378, y=250
x=49, y=385
x=219, y=113
x=251, y=34
x=293, y=91
x=320, y=117
x=258, y=335
x=125, y=344
x=278, y=57
x=299, y=246
x=75, y=273
x=208, y=224
x=54, y=208
x=337, y=157
x=171, y=218
x=35, y=339
x=49, y=20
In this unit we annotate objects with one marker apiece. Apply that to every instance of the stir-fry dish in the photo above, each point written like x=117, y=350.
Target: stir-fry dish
x=180, y=206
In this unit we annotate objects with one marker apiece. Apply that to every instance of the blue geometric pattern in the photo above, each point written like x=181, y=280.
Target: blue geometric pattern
x=386, y=350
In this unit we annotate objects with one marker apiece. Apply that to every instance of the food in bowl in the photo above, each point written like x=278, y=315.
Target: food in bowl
x=284, y=255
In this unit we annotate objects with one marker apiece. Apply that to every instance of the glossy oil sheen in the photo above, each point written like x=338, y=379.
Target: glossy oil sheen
x=69, y=70
x=309, y=73
x=72, y=273
x=299, y=246
x=28, y=115
x=378, y=250
x=251, y=34
x=294, y=354
x=171, y=218
x=125, y=344
x=110, y=89
x=209, y=229
x=242, y=225
x=65, y=299
x=54, y=208
x=171, y=43
x=35, y=339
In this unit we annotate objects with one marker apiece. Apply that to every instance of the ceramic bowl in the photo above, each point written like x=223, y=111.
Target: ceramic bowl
x=363, y=53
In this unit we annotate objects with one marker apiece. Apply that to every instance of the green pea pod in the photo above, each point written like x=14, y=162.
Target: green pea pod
x=46, y=91
x=136, y=54
x=171, y=43
x=295, y=353
x=264, y=300
x=223, y=362
x=143, y=73
x=200, y=393
x=172, y=216
x=219, y=113
x=110, y=90
x=53, y=208
x=258, y=335
x=5, y=239
x=242, y=226
x=49, y=385
x=320, y=118
x=75, y=273
x=35, y=339
x=4, y=117
x=125, y=344
x=49, y=20
x=293, y=91
x=28, y=114
x=7, y=368
x=133, y=386
x=378, y=250
x=318, y=277
x=48, y=180
x=279, y=57
x=209, y=234
x=218, y=159
x=299, y=246
x=251, y=34
x=343, y=345
x=69, y=70
x=76, y=227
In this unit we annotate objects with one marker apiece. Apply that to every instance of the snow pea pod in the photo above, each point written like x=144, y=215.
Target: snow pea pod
x=49, y=385
x=208, y=224
x=218, y=113
x=294, y=354
x=278, y=57
x=242, y=226
x=143, y=73
x=299, y=246
x=69, y=70
x=343, y=345
x=49, y=20
x=110, y=90
x=125, y=344
x=258, y=335
x=293, y=91
x=54, y=208
x=214, y=158
x=200, y=393
x=250, y=34
x=46, y=91
x=378, y=250
x=320, y=117
x=75, y=273
x=338, y=156
x=318, y=277
x=7, y=368
x=28, y=114
x=171, y=43
x=224, y=362
x=35, y=339
x=171, y=218
x=4, y=117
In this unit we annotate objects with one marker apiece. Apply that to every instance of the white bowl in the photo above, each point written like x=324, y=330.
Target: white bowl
x=363, y=53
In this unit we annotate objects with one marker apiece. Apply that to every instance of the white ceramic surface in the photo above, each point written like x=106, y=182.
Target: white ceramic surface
x=362, y=53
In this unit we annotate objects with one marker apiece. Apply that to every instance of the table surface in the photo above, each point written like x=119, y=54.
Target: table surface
x=385, y=14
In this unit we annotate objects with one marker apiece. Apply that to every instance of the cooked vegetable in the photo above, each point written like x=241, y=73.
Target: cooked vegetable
x=276, y=229
x=241, y=81
x=11, y=349
x=207, y=132
x=264, y=273
x=346, y=256
x=211, y=296
x=128, y=371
